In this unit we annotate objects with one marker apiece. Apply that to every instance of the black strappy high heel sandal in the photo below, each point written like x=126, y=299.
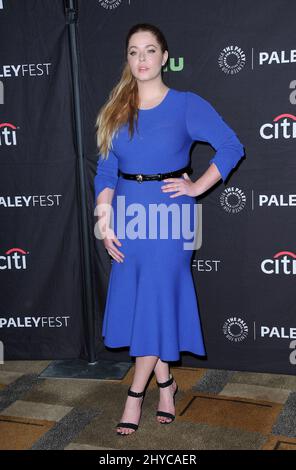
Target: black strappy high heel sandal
x=130, y=425
x=164, y=413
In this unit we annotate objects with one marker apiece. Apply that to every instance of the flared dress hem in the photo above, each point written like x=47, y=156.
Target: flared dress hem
x=158, y=354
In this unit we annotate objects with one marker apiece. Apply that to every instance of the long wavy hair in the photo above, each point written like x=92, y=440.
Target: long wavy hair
x=122, y=105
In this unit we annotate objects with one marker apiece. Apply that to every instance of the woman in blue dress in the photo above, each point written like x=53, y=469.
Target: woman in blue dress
x=146, y=207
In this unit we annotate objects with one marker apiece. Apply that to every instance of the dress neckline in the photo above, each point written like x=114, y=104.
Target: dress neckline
x=159, y=104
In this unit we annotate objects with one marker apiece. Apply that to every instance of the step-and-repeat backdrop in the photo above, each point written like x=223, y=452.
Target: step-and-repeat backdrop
x=242, y=60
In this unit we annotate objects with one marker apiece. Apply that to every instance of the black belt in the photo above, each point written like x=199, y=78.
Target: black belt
x=157, y=176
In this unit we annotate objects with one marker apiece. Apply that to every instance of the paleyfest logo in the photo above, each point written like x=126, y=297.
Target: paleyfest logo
x=233, y=200
x=232, y=60
x=109, y=4
x=235, y=329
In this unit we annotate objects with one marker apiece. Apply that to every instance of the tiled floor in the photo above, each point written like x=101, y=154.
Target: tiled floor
x=215, y=409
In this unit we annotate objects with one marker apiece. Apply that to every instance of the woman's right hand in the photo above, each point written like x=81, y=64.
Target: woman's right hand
x=109, y=242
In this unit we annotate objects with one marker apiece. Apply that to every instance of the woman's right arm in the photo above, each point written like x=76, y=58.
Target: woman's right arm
x=105, y=183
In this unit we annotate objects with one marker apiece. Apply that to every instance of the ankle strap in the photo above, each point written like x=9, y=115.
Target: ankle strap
x=135, y=394
x=167, y=383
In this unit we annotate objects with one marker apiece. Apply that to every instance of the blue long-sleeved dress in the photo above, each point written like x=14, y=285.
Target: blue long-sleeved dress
x=151, y=303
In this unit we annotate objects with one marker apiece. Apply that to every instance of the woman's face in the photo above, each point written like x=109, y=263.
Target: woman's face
x=144, y=56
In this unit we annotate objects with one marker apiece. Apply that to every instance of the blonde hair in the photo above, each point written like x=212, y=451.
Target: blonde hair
x=122, y=104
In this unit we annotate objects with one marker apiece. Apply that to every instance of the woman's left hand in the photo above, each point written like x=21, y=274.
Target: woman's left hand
x=181, y=185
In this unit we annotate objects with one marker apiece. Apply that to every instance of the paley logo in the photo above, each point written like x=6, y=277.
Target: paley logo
x=110, y=4
x=232, y=59
x=15, y=258
x=277, y=200
x=277, y=57
x=283, y=262
x=233, y=200
x=281, y=332
x=21, y=70
x=36, y=321
x=282, y=127
x=8, y=134
x=235, y=329
x=34, y=200
x=206, y=265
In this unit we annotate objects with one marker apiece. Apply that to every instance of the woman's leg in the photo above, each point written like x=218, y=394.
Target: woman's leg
x=166, y=401
x=162, y=370
x=143, y=368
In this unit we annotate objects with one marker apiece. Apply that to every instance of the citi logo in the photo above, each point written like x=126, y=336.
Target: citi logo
x=15, y=258
x=283, y=262
x=7, y=134
x=282, y=127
